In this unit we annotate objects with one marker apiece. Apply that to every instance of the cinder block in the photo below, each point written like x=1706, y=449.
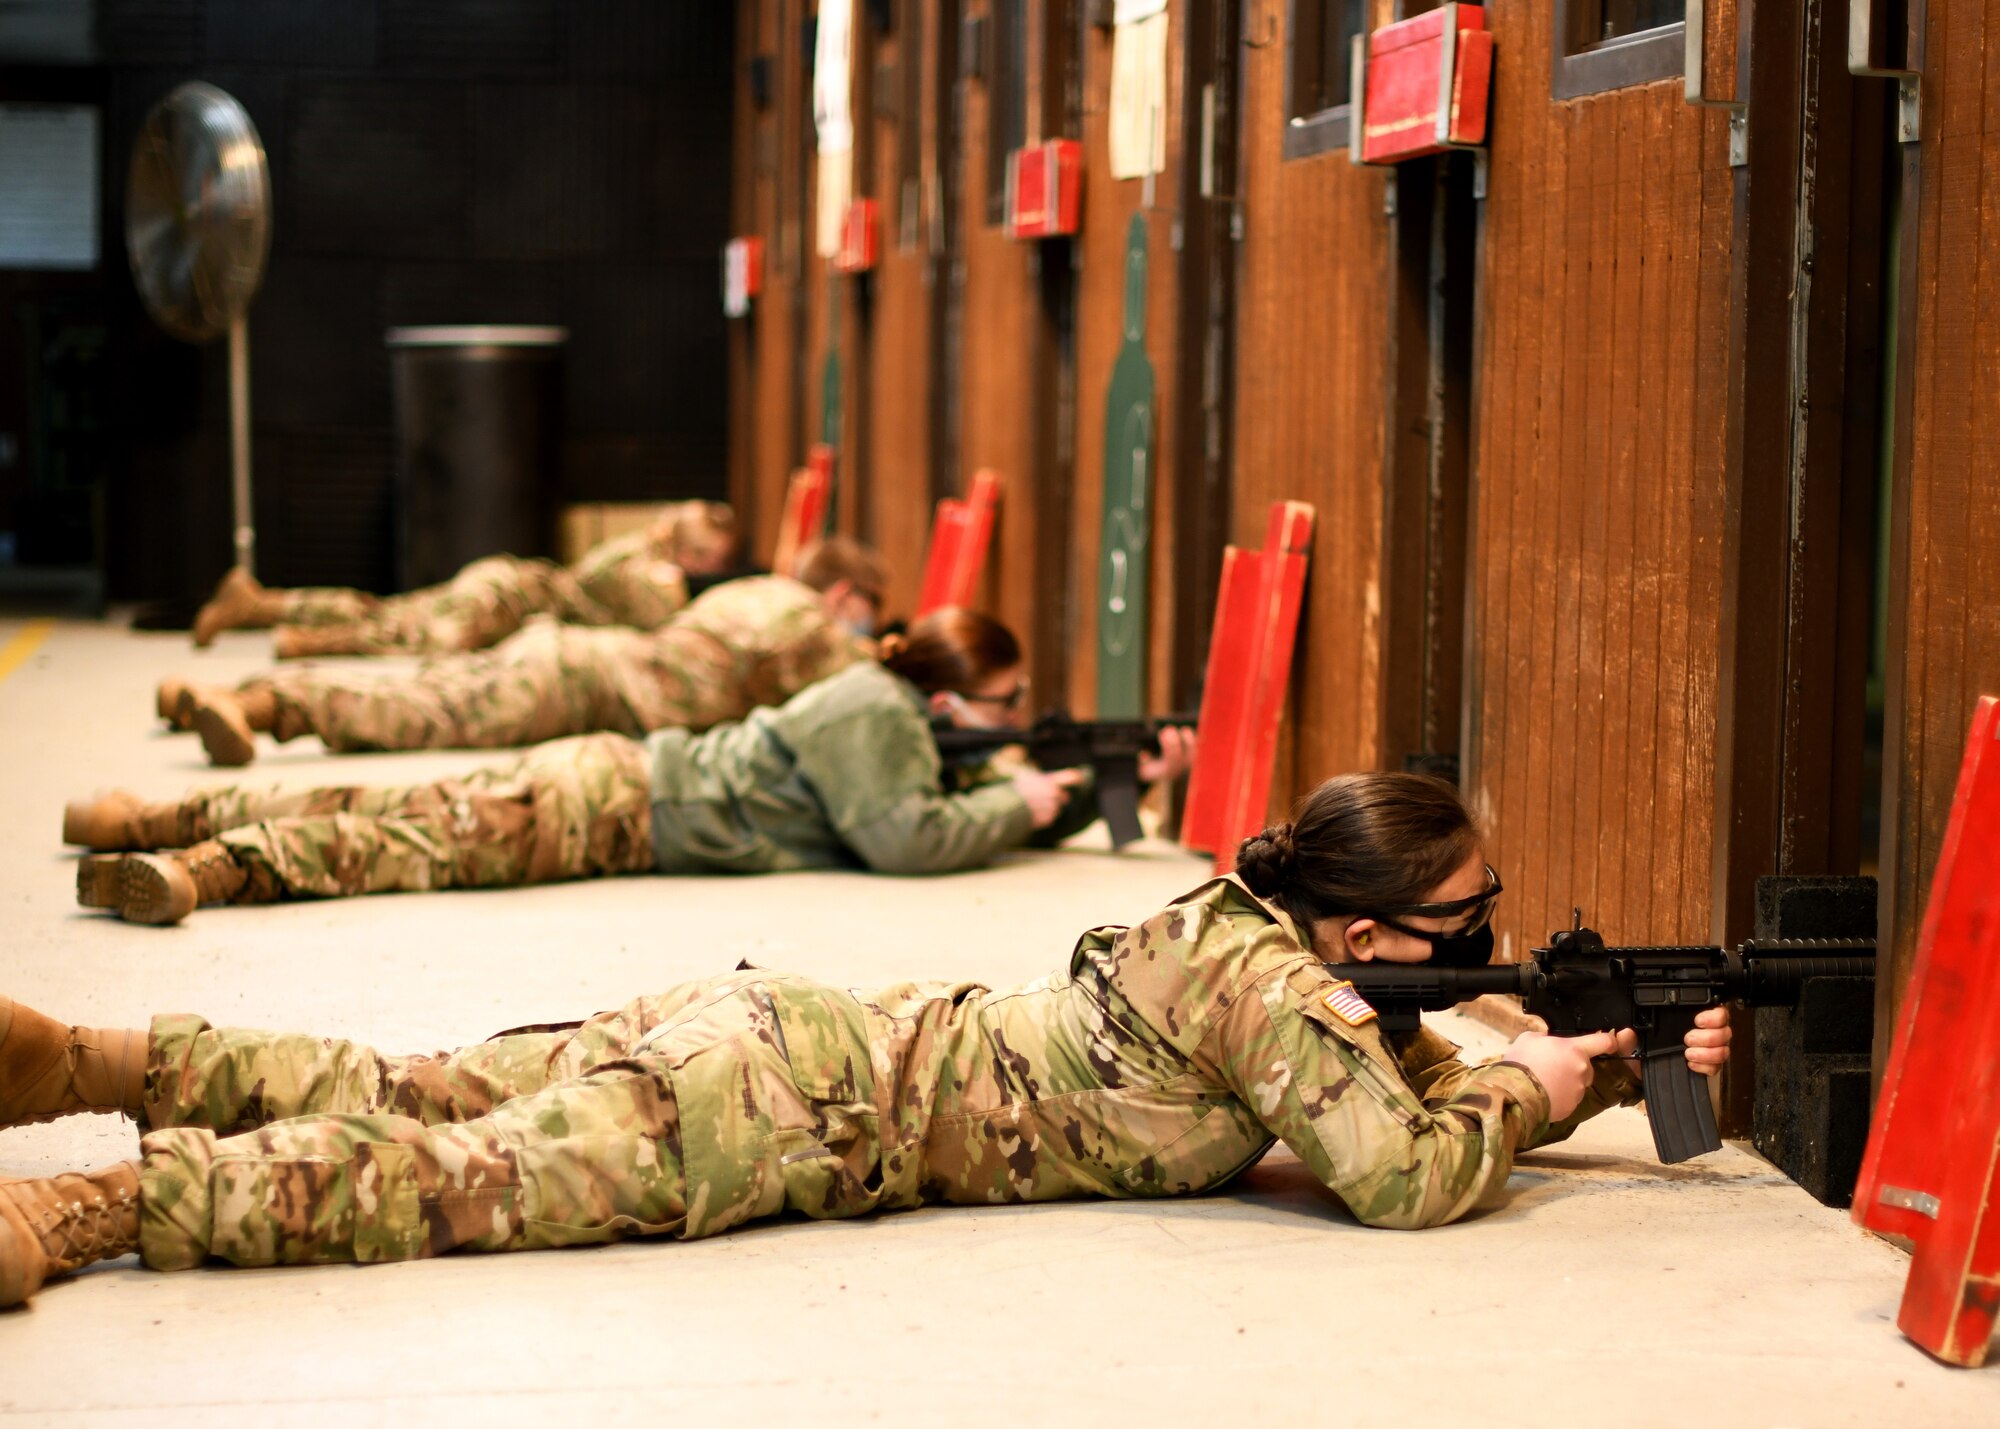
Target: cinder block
x=1813, y=1093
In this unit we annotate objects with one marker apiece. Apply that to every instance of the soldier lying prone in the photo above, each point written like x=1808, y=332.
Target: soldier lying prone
x=1162, y=1060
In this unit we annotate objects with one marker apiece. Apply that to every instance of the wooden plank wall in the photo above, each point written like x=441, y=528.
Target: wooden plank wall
x=1001, y=347
x=854, y=331
x=773, y=201
x=1108, y=207
x=1311, y=322
x=752, y=194
x=1042, y=576
x=816, y=275
x=898, y=385
x=1945, y=567
x=1598, y=499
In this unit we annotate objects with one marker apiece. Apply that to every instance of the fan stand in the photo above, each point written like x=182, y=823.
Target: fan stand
x=239, y=444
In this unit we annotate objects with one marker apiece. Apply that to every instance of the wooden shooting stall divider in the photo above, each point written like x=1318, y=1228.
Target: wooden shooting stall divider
x=807, y=499
x=960, y=537
x=1243, y=694
x=1932, y=1169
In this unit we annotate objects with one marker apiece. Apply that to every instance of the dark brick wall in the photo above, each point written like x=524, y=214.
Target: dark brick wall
x=540, y=161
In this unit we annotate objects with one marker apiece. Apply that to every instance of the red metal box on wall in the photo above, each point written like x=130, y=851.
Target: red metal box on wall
x=1422, y=86
x=742, y=274
x=859, y=234
x=1044, y=189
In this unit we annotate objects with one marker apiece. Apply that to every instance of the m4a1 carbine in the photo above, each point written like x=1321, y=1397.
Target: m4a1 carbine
x=1055, y=741
x=1577, y=985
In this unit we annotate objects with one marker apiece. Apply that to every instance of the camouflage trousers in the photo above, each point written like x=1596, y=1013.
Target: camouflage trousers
x=574, y=808
x=547, y=681
x=480, y=606
x=676, y=1114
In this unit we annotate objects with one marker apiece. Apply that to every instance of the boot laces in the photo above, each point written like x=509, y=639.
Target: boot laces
x=80, y=1232
x=211, y=869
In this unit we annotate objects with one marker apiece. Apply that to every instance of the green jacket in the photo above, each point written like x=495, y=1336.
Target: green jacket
x=843, y=774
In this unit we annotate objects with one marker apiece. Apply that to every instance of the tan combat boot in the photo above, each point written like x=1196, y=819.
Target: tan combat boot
x=227, y=721
x=49, y=1070
x=160, y=888
x=119, y=820
x=239, y=603
x=58, y=1224
x=301, y=642
x=169, y=698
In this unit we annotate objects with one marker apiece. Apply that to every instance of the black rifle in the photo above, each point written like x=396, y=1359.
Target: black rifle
x=1055, y=741
x=1577, y=985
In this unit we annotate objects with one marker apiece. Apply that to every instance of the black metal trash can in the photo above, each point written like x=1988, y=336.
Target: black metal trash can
x=478, y=441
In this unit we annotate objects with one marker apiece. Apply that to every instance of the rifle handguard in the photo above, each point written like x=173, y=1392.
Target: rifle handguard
x=1579, y=986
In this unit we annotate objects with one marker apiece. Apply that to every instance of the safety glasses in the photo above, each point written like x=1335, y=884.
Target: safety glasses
x=1013, y=700
x=1461, y=916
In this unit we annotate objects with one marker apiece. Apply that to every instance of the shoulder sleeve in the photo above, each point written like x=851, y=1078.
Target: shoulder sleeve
x=1398, y=1156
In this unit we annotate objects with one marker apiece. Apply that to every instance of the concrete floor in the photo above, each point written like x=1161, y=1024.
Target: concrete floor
x=1601, y=1285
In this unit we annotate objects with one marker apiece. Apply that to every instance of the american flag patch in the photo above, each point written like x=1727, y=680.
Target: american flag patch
x=1348, y=1005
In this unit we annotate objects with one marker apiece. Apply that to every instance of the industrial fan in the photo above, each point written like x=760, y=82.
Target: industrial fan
x=197, y=232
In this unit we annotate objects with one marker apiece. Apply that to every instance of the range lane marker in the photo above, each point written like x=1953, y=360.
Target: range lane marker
x=25, y=642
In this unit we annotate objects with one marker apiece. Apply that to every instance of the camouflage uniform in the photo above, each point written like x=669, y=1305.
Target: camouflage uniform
x=743, y=644
x=572, y=808
x=621, y=577
x=628, y=581
x=1165, y=1061
x=845, y=774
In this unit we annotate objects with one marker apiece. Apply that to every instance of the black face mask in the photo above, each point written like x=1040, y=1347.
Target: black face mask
x=1452, y=950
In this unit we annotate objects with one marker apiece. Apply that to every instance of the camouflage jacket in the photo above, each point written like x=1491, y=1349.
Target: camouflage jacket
x=764, y=638
x=844, y=774
x=630, y=578
x=1165, y=1061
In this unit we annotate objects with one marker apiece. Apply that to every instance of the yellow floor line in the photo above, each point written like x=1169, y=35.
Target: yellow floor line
x=24, y=643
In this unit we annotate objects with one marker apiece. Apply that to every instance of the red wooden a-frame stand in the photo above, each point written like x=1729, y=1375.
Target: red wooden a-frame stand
x=1243, y=696
x=1932, y=1168
x=960, y=535
x=804, y=518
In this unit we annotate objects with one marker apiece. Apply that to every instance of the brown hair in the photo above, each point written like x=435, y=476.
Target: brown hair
x=1360, y=843
x=950, y=649
x=689, y=517
x=833, y=559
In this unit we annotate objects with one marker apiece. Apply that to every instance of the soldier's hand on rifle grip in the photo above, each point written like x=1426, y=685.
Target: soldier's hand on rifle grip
x=1046, y=793
x=1175, y=758
x=1708, y=1041
x=1562, y=1064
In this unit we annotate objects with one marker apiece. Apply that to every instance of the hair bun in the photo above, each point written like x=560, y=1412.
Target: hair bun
x=1265, y=861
